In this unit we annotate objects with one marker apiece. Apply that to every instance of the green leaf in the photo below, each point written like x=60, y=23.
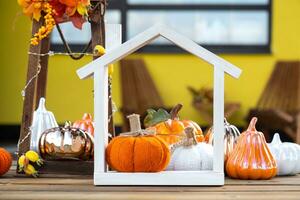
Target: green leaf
x=154, y=117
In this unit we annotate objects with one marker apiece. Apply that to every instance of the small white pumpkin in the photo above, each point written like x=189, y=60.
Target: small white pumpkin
x=191, y=155
x=42, y=120
x=287, y=156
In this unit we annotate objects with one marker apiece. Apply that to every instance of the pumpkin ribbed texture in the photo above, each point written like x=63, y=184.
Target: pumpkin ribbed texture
x=231, y=134
x=137, y=154
x=191, y=155
x=86, y=123
x=251, y=158
x=5, y=161
x=136, y=151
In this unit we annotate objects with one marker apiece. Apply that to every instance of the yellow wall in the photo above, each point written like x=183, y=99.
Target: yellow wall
x=68, y=97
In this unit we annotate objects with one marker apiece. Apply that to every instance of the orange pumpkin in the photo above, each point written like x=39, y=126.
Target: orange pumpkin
x=251, y=158
x=137, y=151
x=168, y=125
x=5, y=161
x=86, y=123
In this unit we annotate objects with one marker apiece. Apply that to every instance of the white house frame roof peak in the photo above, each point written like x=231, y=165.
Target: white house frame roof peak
x=148, y=36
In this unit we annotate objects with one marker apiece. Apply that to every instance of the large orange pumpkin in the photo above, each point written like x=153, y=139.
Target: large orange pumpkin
x=86, y=123
x=251, y=158
x=5, y=161
x=168, y=125
x=137, y=151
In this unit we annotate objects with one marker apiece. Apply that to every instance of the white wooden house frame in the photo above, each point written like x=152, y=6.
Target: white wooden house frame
x=115, y=52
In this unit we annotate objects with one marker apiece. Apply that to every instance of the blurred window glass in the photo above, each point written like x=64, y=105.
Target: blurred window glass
x=223, y=26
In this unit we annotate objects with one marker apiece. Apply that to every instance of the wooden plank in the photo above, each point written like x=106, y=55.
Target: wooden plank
x=42, y=77
x=272, y=195
x=97, y=27
x=30, y=92
x=47, y=179
x=91, y=188
x=67, y=167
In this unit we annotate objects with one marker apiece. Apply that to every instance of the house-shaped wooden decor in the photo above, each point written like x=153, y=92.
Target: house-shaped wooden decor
x=98, y=69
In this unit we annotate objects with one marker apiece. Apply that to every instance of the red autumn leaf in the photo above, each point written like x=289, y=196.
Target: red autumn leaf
x=60, y=9
x=77, y=20
x=69, y=3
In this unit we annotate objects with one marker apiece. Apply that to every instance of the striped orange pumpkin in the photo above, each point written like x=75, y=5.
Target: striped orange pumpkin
x=5, y=161
x=251, y=158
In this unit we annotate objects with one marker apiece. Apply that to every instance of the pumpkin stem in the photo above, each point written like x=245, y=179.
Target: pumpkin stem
x=87, y=116
x=134, y=123
x=225, y=121
x=67, y=124
x=252, y=124
x=190, y=136
x=276, y=139
x=175, y=110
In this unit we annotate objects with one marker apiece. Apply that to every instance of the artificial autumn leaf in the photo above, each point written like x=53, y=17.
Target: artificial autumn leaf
x=69, y=3
x=154, y=117
x=81, y=6
x=70, y=11
x=60, y=10
x=77, y=20
x=82, y=10
x=32, y=8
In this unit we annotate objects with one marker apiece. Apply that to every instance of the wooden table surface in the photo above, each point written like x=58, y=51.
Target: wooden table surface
x=13, y=186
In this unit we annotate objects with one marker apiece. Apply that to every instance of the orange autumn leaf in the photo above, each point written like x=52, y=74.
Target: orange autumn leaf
x=81, y=6
x=70, y=3
x=32, y=8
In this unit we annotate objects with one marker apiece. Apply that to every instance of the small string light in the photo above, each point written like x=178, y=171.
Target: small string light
x=52, y=53
x=23, y=92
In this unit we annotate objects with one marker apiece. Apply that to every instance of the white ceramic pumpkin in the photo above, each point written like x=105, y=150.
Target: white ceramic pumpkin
x=42, y=120
x=287, y=156
x=191, y=155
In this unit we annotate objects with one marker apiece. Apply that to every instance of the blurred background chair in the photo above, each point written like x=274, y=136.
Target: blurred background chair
x=139, y=92
x=279, y=104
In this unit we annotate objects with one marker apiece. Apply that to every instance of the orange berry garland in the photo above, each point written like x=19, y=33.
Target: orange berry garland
x=55, y=11
x=44, y=31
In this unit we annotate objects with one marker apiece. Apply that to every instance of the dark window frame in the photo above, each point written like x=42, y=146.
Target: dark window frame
x=123, y=6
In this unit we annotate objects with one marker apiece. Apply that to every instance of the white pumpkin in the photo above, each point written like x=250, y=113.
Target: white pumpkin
x=191, y=156
x=42, y=120
x=287, y=156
